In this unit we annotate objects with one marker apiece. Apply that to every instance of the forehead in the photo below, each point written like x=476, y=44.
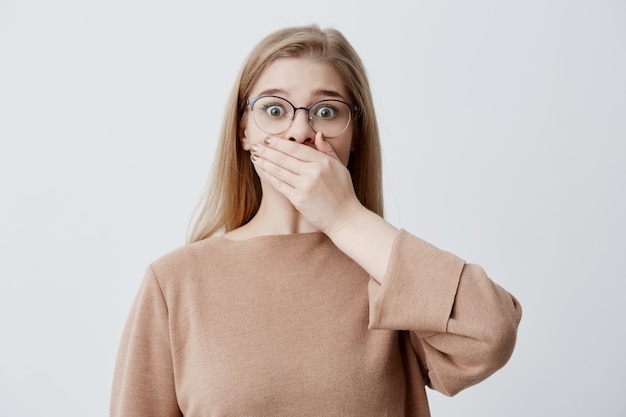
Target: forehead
x=300, y=78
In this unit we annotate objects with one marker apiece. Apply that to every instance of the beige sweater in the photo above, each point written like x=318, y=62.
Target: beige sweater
x=289, y=326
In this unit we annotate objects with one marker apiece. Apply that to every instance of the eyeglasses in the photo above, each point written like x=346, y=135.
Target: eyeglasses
x=273, y=114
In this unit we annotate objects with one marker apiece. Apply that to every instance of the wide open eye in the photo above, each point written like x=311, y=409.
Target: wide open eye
x=325, y=111
x=274, y=110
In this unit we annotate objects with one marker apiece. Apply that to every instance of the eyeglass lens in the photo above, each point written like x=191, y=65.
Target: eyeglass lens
x=275, y=115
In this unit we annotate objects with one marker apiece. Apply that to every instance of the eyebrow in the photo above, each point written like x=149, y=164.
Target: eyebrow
x=317, y=93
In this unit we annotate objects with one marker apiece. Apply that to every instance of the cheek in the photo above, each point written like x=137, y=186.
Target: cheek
x=344, y=154
x=343, y=149
x=346, y=147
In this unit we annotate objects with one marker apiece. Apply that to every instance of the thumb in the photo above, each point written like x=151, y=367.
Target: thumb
x=322, y=145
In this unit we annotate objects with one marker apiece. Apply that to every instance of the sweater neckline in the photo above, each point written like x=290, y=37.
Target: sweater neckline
x=279, y=237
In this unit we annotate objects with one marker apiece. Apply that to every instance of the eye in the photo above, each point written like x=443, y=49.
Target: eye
x=274, y=110
x=325, y=111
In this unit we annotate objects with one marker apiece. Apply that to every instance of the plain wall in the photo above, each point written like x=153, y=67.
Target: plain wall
x=503, y=129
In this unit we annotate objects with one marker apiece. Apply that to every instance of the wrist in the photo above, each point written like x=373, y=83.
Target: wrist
x=351, y=216
x=365, y=237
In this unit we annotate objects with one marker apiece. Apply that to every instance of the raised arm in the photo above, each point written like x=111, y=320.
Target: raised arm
x=462, y=325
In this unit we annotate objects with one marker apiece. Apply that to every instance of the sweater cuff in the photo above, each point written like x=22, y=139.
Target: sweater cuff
x=418, y=289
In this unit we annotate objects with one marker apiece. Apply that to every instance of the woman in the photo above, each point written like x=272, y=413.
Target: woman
x=294, y=297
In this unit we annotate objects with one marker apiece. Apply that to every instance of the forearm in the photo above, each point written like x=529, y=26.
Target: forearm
x=365, y=237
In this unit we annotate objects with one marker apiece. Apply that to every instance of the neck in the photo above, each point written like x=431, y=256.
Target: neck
x=279, y=216
x=276, y=216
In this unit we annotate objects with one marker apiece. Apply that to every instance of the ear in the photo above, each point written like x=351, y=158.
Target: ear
x=243, y=139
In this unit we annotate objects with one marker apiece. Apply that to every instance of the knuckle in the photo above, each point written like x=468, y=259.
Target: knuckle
x=299, y=200
x=280, y=159
x=309, y=185
x=315, y=174
x=276, y=171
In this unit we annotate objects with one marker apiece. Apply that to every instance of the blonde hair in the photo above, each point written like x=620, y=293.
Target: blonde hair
x=233, y=193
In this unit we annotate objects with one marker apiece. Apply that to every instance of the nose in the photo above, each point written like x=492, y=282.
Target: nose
x=301, y=130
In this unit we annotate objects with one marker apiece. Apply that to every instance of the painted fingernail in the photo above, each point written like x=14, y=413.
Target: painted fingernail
x=267, y=140
x=254, y=148
x=253, y=157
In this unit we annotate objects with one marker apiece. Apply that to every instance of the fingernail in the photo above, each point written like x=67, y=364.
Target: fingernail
x=254, y=148
x=267, y=140
x=253, y=157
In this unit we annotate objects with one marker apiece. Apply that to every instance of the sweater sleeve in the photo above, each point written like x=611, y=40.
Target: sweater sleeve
x=143, y=382
x=462, y=325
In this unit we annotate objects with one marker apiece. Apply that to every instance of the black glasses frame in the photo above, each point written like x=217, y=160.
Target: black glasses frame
x=350, y=106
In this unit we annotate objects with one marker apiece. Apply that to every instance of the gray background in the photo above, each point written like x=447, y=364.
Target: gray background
x=503, y=136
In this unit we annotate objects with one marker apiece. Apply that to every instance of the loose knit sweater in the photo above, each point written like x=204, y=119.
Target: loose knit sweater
x=288, y=325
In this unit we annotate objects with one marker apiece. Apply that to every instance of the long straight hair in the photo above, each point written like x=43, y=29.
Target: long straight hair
x=233, y=192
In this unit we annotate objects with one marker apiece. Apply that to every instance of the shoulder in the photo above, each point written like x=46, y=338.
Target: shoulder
x=188, y=261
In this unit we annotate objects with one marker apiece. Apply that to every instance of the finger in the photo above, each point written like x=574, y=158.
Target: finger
x=322, y=145
x=275, y=165
x=294, y=149
x=275, y=178
x=271, y=159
